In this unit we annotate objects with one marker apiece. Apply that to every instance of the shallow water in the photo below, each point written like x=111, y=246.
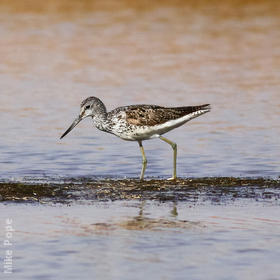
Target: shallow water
x=124, y=229
x=55, y=54
x=125, y=240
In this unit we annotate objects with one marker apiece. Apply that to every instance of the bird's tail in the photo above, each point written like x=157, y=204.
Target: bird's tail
x=194, y=110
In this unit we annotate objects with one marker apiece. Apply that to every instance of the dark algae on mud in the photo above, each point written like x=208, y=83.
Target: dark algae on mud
x=212, y=188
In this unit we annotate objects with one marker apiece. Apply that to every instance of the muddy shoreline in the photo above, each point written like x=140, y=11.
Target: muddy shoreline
x=218, y=190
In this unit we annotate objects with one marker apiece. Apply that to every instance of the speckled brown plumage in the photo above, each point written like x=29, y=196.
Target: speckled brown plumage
x=154, y=115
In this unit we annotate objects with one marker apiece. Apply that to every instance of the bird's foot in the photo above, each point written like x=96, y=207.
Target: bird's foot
x=172, y=179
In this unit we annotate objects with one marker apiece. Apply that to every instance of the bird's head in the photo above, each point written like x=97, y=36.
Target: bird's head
x=90, y=107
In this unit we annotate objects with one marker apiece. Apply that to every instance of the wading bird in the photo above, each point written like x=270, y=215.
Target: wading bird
x=138, y=122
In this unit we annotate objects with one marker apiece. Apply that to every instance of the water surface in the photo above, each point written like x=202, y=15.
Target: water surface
x=124, y=240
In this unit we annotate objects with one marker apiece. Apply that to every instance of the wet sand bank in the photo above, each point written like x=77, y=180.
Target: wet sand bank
x=216, y=189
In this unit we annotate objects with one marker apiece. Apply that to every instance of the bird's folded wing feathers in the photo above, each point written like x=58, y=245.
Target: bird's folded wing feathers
x=155, y=115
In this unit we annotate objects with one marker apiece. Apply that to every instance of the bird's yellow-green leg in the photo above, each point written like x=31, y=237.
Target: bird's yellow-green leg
x=174, y=147
x=144, y=161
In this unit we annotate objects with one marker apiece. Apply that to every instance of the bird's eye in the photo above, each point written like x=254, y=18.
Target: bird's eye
x=87, y=107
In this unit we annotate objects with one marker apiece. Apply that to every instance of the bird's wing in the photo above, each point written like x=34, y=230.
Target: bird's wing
x=150, y=115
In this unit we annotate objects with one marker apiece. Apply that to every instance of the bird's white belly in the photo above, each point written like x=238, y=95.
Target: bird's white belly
x=140, y=133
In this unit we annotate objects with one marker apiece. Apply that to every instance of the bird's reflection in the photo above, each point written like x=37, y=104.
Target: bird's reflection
x=174, y=211
x=143, y=221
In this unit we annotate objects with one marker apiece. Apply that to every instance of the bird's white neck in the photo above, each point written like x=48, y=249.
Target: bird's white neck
x=100, y=121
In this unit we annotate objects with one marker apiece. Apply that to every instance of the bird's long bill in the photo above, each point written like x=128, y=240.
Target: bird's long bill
x=75, y=122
